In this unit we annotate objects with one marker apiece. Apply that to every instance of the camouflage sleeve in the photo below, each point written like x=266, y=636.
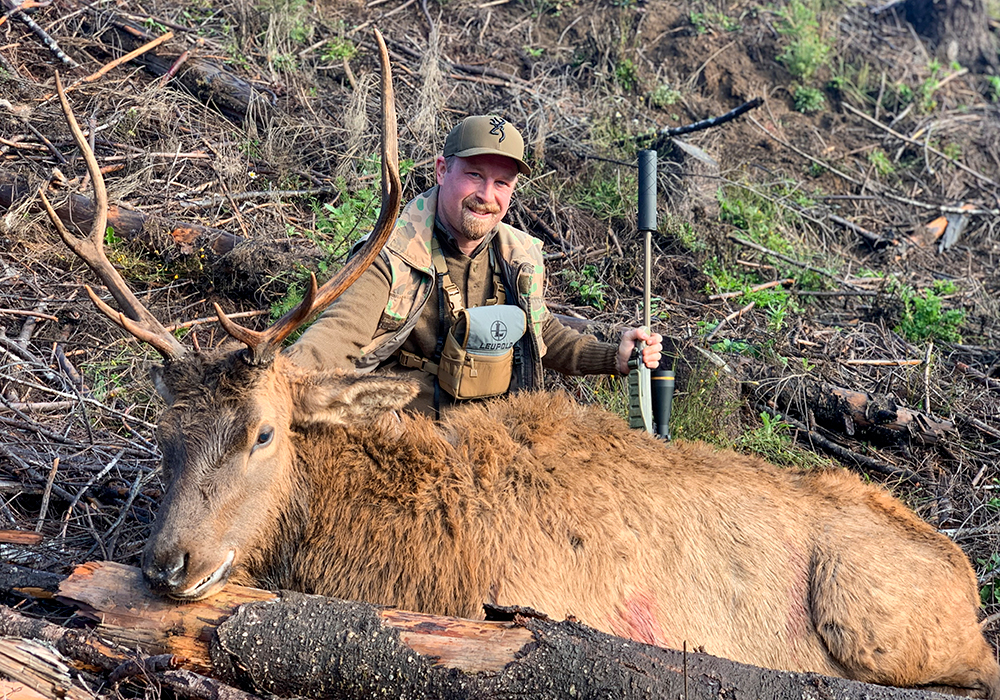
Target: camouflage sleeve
x=571, y=352
x=336, y=338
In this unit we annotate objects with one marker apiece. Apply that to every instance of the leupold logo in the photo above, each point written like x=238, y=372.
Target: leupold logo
x=498, y=330
x=497, y=130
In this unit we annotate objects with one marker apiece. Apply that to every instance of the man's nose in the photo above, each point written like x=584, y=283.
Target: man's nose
x=486, y=191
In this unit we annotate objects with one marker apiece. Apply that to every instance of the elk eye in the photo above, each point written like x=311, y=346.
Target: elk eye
x=264, y=437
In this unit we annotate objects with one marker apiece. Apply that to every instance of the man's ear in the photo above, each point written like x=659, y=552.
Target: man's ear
x=440, y=168
x=156, y=374
x=336, y=399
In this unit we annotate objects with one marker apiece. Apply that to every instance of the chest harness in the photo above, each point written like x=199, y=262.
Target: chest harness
x=474, y=357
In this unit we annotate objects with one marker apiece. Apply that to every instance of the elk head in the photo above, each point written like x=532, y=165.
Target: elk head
x=226, y=436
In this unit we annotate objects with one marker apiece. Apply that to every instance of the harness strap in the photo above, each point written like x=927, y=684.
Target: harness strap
x=452, y=295
x=409, y=359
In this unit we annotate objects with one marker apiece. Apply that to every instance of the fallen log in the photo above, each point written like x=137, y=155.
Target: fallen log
x=207, y=80
x=237, y=267
x=310, y=646
x=155, y=232
x=876, y=418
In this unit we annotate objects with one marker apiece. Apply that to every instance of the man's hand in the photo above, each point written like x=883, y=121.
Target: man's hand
x=650, y=353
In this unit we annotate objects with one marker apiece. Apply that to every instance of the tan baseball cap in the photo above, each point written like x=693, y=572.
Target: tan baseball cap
x=476, y=136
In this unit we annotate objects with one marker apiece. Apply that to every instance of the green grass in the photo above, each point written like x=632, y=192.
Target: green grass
x=664, y=96
x=993, y=83
x=626, y=75
x=990, y=593
x=880, y=161
x=773, y=442
x=704, y=22
x=338, y=226
x=339, y=49
x=704, y=407
x=608, y=194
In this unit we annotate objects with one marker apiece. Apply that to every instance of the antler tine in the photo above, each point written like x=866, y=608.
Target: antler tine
x=264, y=344
x=136, y=319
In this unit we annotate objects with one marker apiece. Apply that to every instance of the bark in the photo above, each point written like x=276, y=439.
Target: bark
x=316, y=647
x=957, y=29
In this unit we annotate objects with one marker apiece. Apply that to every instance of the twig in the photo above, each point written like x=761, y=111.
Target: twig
x=883, y=363
x=729, y=318
x=145, y=48
x=175, y=67
x=36, y=314
x=883, y=193
x=927, y=146
x=874, y=239
x=792, y=261
x=978, y=376
x=213, y=319
x=16, y=10
x=380, y=17
x=927, y=377
x=759, y=287
x=44, y=509
x=91, y=482
x=42, y=406
x=112, y=533
x=48, y=144
x=240, y=196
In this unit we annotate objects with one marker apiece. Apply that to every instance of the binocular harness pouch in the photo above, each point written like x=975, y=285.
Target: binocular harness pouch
x=477, y=358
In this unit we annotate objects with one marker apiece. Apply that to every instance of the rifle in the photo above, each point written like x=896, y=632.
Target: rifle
x=650, y=391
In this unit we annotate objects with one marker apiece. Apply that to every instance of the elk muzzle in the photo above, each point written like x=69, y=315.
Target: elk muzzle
x=171, y=574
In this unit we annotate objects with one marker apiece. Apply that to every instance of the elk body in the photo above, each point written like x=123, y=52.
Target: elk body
x=286, y=478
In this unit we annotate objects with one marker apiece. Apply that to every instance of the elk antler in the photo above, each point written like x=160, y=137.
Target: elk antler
x=264, y=344
x=136, y=319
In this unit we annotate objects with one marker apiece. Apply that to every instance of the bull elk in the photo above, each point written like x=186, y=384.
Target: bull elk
x=317, y=481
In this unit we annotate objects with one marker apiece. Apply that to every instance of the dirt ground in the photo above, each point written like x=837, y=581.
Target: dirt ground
x=901, y=139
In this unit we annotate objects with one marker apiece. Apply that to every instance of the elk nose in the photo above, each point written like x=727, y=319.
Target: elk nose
x=165, y=573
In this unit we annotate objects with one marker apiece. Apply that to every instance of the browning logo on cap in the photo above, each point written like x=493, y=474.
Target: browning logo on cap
x=487, y=134
x=497, y=124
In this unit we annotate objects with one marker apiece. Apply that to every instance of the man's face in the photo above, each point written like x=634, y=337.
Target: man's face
x=475, y=194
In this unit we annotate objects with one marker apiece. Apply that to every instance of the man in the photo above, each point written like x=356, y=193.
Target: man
x=455, y=298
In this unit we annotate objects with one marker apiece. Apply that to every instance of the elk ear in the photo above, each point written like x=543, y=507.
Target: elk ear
x=338, y=399
x=156, y=374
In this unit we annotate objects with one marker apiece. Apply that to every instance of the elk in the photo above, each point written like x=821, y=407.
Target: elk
x=318, y=481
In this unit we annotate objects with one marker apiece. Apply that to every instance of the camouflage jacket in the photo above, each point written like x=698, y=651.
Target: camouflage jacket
x=408, y=253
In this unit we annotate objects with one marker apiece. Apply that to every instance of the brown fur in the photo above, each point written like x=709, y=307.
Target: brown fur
x=536, y=500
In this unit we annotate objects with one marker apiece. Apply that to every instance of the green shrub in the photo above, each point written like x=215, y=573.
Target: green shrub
x=809, y=99
x=883, y=166
x=587, y=285
x=923, y=318
x=807, y=50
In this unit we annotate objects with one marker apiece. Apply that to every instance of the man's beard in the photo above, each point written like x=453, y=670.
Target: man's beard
x=473, y=227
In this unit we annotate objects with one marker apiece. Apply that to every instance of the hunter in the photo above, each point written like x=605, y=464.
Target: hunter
x=455, y=298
